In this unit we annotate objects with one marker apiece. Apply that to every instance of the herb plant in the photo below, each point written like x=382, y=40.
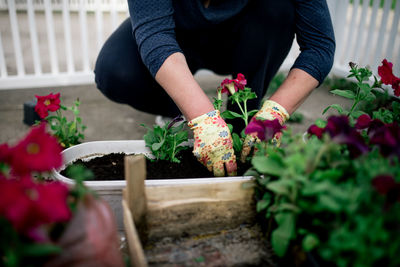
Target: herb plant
x=166, y=142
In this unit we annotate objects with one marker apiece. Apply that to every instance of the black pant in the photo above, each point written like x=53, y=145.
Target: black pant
x=254, y=43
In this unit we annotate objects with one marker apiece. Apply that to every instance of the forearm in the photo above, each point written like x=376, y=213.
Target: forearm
x=177, y=80
x=294, y=90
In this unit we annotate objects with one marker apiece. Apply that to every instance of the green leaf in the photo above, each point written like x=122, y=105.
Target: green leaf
x=281, y=236
x=262, y=204
x=237, y=143
x=280, y=187
x=329, y=203
x=268, y=165
x=344, y=93
x=321, y=123
x=334, y=106
x=357, y=113
x=156, y=146
x=252, y=113
x=227, y=114
x=40, y=250
x=310, y=241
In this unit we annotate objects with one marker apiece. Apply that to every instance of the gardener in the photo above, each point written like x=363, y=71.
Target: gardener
x=149, y=61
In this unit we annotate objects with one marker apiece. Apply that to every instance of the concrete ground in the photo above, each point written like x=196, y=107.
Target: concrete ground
x=107, y=120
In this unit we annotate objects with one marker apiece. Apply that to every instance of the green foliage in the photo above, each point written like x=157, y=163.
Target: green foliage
x=68, y=133
x=319, y=197
x=166, y=142
x=367, y=99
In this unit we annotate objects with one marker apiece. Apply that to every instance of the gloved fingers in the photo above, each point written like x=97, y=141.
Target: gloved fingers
x=218, y=168
x=231, y=167
x=248, y=144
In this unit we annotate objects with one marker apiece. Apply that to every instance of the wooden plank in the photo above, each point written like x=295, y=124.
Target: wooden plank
x=197, y=209
x=136, y=253
x=135, y=174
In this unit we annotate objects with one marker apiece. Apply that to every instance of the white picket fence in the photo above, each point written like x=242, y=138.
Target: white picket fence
x=56, y=42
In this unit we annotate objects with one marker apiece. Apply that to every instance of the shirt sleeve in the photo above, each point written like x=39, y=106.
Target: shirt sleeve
x=154, y=31
x=315, y=36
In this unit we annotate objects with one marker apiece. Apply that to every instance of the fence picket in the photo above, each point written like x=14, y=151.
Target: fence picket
x=360, y=32
x=393, y=33
x=352, y=28
x=382, y=29
x=16, y=39
x=34, y=38
x=84, y=36
x=365, y=59
x=99, y=24
x=67, y=37
x=51, y=37
x=340, y=22
x=358, y=27
x=3, y=67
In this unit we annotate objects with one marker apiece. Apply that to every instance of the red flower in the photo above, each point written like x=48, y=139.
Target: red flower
x=232, y=86
x=47, y=103
x=265, y=129
x=315, y=130
x=28, y=205
x=240, y=81
x=4, y=153
x=38, y=151
x=387, y=76
x=363, y=122
x=51, y=204
x=387, y=186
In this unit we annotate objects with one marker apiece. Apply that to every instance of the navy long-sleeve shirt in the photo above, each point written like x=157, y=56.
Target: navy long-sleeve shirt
x=154, y=22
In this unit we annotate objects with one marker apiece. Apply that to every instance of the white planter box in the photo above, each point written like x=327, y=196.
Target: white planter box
x=111, y=191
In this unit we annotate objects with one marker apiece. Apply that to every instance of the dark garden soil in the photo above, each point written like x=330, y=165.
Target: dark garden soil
x=111, y=167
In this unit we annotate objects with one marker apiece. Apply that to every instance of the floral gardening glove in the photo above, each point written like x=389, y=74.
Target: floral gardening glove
x=269, y=111
x=213, y=143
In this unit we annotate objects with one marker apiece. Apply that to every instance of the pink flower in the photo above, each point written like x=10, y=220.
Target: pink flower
x=38, y=151
x=47, y=103
x=363, y=122
x=265, y=129
x=387, y=76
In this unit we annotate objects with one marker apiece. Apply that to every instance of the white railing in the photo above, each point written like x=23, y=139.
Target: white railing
x=56, y=42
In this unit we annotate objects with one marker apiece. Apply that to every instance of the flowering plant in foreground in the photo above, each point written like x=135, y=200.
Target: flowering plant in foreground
x=337, y=194
x=68, y=133
x=35, y=213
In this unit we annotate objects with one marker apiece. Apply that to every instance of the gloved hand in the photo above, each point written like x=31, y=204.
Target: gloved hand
x=213, y=144
x=269, y=111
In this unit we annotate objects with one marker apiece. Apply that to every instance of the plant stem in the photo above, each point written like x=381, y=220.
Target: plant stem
x=243, y=112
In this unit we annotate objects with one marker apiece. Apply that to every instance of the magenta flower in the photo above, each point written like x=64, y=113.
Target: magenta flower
x=231, y=86
x=386, y=136
x=315, y=130
x=387, y=186
x=363, y=122
x=387, y=76
x=264, y=129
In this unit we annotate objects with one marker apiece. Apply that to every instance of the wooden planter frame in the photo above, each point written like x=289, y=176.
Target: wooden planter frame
x=153, y=212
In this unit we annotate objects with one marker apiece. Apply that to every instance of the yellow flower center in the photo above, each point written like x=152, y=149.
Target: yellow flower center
x=33, y=148
x=47, y=102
